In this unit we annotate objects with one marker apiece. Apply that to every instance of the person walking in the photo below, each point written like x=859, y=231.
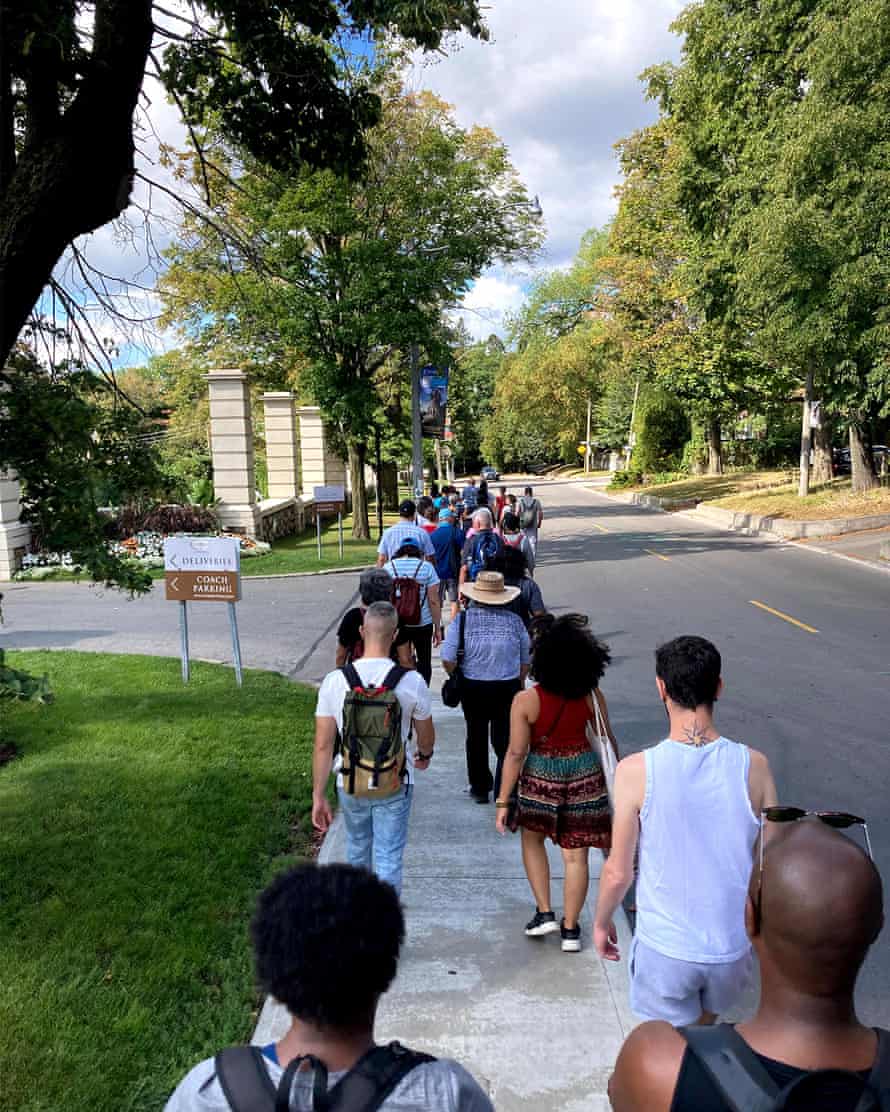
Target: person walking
x=482, y=547
x=692, y=802
x=513, y=537
x=469, y=495
x=499, y=503
x=375, y=813
x=326, y=942
x=510, y=507
x=448, y=542
x=562, y=793
x=374, y=585
x=405, y=527
x=495, y=664
x=531, y=515
x=530, y=602
x=482, y=500
x=422, y=626
x=814, y=908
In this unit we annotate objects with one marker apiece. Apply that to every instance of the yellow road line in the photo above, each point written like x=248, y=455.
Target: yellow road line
x=601, y=528
x=784, y=617
x=657, y=555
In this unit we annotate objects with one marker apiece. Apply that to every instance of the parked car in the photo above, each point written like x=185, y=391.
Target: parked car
x=490, y=474
x=840, y=459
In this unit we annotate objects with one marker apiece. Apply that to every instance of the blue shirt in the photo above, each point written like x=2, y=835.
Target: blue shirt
x=448, y=541
x=470, y=496
x=394, y=537
x=406, y=568
x=496, y=644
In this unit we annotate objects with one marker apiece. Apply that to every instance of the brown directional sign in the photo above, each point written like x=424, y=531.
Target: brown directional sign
x=324, y=509
x=202, y=586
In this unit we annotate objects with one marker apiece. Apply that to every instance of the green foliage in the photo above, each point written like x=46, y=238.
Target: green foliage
x=126, y=954
x=629, y=478
x=21, y=686
x=74, y=448
x=662, y=428
x=474, y=372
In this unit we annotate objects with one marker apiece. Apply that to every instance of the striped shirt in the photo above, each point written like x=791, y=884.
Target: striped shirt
x=394, y=537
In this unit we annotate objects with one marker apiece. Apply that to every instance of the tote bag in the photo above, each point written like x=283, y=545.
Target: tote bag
x=600, y=744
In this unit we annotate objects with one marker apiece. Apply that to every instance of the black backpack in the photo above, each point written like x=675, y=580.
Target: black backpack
x=248, y=1087
x=746, y=1086
x=487, y=546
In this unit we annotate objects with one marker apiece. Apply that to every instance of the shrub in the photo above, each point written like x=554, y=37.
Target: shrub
x=133, y=519
x=625, y=479
x=662, y=431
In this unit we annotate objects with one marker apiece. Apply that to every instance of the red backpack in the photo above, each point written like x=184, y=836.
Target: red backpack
x=407, y=597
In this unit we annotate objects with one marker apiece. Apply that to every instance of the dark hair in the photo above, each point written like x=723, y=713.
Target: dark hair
x=482, y=496
x=423, y=504
x=434, y=490
x=514, y=563
x=567, y=659
x=375, y=585
x=407, y=509
x=528, y=490
x=510, y=522
x=326, y=941
x=689, y=667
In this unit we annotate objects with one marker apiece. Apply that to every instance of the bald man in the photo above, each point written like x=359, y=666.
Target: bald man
x=812, y=921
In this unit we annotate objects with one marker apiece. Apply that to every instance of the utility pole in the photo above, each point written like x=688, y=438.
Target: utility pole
x=587, y=453
x=416, y=427
x=806, y=436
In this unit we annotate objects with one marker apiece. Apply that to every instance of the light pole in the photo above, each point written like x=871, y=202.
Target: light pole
x=416, y=425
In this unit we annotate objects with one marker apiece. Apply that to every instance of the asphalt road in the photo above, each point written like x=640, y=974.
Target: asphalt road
x=810, y=688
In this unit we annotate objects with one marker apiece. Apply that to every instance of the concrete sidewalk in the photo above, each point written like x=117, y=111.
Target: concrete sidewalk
x=538, y=1028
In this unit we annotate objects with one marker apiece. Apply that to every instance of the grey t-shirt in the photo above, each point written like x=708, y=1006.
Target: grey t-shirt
x=441, y=1086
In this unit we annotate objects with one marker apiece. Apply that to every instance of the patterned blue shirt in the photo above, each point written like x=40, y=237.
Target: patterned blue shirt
x=496, y=644
x=394, y=537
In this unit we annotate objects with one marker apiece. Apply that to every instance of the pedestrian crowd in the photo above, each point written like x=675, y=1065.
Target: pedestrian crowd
x=722, y=871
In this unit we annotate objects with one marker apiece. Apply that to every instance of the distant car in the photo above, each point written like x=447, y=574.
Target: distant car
x=490, y=474
x=841, y=459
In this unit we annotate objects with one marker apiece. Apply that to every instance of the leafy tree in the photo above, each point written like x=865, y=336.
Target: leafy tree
x=349, y=271
x=474, y=371
x=71, y=74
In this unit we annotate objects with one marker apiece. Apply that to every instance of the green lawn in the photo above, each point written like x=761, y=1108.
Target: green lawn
x=710, y=487
x=137, y=827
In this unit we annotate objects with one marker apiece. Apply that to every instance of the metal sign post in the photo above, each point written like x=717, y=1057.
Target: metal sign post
x=329, y=500
x=203, y=569
x=184, y=640
x=340, y=528
x=318, y=529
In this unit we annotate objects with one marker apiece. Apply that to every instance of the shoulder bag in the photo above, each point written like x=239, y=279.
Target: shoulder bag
x=602, y=746
x=451, y=688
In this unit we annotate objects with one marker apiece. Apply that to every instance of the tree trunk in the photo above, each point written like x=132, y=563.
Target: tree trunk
x=361, y=525
x=861, y=461
x=75, y=173
x=822, y=469
x=715, y=447
x=805, y=435
x=437, y=454
x=389, y=480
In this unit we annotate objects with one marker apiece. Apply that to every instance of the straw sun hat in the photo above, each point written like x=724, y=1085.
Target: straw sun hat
x=489, y=589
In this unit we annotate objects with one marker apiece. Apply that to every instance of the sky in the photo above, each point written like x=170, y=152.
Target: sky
x=558, y=82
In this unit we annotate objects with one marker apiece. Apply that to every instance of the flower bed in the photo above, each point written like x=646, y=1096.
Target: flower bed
x=146, y=549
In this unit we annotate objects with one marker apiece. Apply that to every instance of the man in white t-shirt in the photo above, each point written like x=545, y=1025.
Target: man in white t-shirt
x=376, y=829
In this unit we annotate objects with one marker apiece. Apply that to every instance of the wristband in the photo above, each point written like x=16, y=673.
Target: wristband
x=502, y=803
x=418, y=756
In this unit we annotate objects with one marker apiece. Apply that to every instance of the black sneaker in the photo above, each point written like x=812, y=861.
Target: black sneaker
x=571, y=938
x=544, y=922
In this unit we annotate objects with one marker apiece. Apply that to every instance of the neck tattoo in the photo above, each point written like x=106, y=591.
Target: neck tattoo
x=696, y=735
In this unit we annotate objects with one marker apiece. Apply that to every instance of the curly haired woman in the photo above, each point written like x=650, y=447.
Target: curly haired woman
x=562, y=791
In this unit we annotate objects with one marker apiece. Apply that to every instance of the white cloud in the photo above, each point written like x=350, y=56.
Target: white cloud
x=559, y=82
x=488, y=303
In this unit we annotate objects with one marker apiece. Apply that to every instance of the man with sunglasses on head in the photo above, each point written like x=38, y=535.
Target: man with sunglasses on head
x=692, y=802
x=814, y=908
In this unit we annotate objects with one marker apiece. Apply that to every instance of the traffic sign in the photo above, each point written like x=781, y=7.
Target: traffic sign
x=203, y=586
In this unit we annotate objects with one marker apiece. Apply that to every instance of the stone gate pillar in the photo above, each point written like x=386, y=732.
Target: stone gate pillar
x=320, y=466
x=14, y=534
x=282, y=445
x=231, y=448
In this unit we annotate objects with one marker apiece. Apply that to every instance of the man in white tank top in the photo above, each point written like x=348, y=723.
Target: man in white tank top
x=693, y=802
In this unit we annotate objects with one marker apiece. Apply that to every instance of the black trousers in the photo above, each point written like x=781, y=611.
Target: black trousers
x=421, y=637
x=486, y=705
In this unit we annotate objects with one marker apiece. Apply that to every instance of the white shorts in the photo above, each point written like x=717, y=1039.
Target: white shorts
x=679, y=991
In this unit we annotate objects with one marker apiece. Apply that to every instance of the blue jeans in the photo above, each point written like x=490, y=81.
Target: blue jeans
x=376, y=833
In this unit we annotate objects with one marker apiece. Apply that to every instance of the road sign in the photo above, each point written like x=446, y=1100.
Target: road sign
x=203, y=586
x=582, y=449
x=329, y=500
x=203, y=569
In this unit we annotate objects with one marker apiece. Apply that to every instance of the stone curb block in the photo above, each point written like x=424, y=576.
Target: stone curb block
x=789, y=530
x=885, y=551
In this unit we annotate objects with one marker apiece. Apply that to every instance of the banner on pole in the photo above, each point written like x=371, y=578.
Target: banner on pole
x=433, y=401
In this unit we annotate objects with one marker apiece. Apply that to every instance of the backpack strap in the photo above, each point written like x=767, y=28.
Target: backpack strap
x=394, y=677
x=244, y=1079
x=733, y=1067
x=373, y=1078
x=353, y=679
x=461, y=650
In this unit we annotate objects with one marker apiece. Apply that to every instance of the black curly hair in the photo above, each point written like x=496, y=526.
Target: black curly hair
x=326, y=940
x=690, y=669
x=567, y=659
